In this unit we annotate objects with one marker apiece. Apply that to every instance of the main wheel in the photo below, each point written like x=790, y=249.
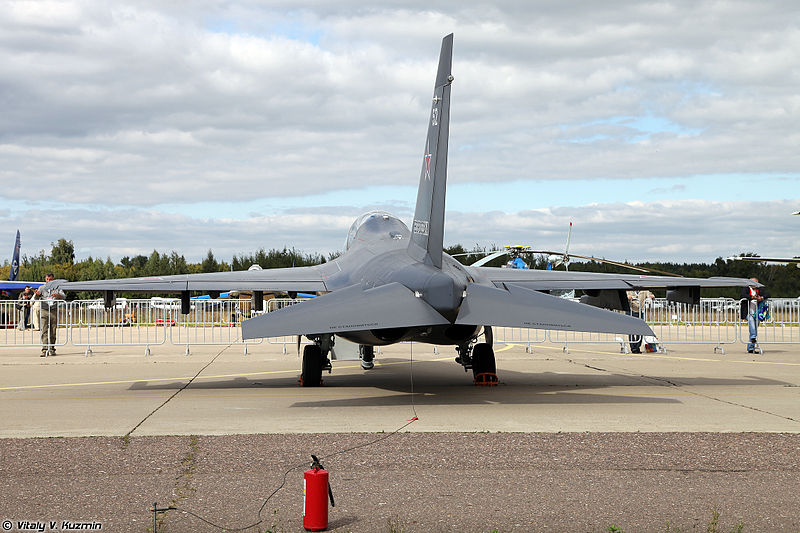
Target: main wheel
x=367, y=354
x=483, y=359
x=312, y=366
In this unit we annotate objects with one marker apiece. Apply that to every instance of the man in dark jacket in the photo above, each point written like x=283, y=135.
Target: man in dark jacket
x=24, y=306
x=751, y=297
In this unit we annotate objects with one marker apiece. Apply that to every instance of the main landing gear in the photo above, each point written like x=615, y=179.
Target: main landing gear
x=367, y=355
x=315, y=360
x=480, y=358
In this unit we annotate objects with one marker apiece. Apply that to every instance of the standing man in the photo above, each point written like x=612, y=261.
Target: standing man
x=48, y=296
x=636, y=303
x=752, y=296
x=24, y=306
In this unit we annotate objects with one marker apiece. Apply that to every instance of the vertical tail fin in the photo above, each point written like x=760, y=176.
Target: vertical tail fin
x=12, y=275
x=427, y=232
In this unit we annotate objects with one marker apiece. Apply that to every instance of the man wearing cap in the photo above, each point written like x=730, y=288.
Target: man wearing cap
x=48, y=322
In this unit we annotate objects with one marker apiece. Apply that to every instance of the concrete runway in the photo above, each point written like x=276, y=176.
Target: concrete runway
x=567, y=442
x=119, y=391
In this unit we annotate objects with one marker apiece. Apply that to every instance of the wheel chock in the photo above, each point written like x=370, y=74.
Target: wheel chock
x=300, y=381
x=486, y=379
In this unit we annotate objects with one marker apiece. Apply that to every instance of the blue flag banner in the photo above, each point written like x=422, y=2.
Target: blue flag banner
x=12, y=275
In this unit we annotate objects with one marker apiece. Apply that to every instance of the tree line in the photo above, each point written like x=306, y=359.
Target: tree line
x=781, y=280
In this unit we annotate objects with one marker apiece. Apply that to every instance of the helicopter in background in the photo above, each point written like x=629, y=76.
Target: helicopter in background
x=554, y=259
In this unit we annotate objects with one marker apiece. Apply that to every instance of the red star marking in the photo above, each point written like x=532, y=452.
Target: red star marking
x=428, y=166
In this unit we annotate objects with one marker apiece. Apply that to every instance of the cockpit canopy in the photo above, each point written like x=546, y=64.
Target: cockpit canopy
x=376, y=225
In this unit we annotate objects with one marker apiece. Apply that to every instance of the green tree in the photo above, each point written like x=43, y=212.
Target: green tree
x=276, y=259
x=209, y=264
x=63, y=252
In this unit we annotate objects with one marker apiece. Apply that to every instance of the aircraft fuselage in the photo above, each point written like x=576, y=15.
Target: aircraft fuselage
x=377, y=254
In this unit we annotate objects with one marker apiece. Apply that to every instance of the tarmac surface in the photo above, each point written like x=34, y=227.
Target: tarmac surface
x=578, y=441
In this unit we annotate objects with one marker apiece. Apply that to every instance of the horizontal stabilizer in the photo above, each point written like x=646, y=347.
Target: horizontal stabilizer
x=518, y=307
x=349, y=309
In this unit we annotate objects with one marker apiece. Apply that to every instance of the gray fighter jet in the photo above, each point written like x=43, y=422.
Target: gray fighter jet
x=395, y=284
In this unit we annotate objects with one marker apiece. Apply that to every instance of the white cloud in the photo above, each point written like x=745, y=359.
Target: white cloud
x=127, y=105
x=693, y=230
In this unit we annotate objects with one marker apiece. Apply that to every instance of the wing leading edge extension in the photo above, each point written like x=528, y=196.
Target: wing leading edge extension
x=349, y=309
x=517, y=307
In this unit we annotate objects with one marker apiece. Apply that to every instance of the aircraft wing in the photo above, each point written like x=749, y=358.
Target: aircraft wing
x=542, y=280
x=19, y=285
x=767, y=259
x=303, y=279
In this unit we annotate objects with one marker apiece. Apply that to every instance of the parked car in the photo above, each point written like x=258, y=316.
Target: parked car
x=121, y=304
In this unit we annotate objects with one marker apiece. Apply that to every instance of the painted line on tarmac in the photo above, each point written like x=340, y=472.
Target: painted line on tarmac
x=302, y=394
x=184, y=378
x=218, y=376
x=701, y=359
x=123, y=381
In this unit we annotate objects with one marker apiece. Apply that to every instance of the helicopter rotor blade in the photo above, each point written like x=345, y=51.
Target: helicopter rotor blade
x=627, y=265
x=489, y=257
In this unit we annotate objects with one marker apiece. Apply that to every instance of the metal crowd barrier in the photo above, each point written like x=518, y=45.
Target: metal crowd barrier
x=525, y=336
x=712, y=322
x=782, y=326
x=565, y=338
x=128, y=323
x=133, y=322
x=152, y=322
x=209, y=323
x=21, y=328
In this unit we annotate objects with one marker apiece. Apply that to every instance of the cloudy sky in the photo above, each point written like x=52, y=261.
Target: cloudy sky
x=664, y=130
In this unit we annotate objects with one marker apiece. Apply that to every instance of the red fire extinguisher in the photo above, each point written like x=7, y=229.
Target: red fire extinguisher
x=316, y=491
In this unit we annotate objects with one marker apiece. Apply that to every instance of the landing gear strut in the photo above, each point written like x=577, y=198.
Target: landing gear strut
x=367, y=355
x=315, y=360
x=464, y=356
x=480, y=358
